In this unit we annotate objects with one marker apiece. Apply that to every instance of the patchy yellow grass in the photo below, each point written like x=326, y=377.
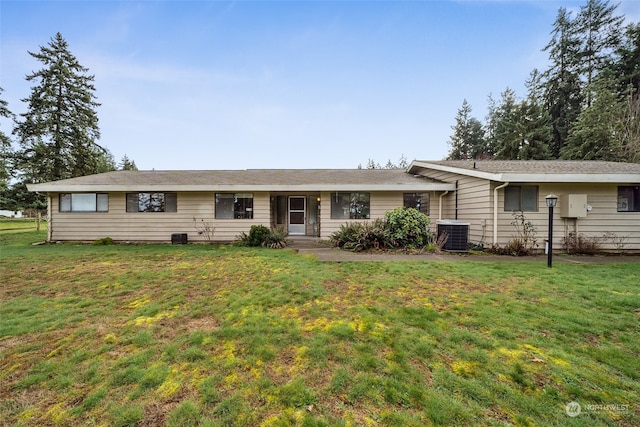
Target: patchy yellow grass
x=126, y=335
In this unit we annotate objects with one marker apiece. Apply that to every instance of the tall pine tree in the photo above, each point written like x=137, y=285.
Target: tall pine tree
x=597, y=134
x=59, y=132
x=627, y=64
x=563, y=85
x=467, y=141
x=599, y=33
x=6, y=151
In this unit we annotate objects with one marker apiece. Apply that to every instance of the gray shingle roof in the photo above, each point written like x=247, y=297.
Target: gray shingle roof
x=259, y=179
x=248, y=176
x=533, y=170
x=541, y=166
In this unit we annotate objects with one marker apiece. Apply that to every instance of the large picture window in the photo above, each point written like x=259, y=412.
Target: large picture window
x=521, y=198
x=152, y=202
x=349, y=205
x=418, y=201
x=629, y=199
x=84, y=202
x=234, y=205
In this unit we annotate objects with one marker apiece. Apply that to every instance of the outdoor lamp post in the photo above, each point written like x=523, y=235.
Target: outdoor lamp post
x=552, y=201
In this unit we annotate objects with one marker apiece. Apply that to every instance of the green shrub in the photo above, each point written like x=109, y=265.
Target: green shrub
x=257, y=235
x=362, y=236
x=276, y=239
x=404, y=228
x=103, y=241
x=408, y=227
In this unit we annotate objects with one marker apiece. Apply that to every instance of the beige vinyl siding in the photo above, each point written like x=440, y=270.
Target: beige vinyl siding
x=601, y=219
x=474, y=204
x=153, y=226
x=379, y=203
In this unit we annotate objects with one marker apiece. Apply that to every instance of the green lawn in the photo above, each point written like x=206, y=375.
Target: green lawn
x=225, y=336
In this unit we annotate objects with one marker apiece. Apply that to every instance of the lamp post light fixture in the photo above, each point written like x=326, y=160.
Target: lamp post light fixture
x=552, y=201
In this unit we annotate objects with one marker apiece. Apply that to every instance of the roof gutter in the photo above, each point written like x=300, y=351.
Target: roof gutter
x=495, y=211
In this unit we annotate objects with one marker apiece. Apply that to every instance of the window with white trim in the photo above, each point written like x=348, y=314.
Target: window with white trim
x=83, y=202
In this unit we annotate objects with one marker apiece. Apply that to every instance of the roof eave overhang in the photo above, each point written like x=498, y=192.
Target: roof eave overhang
x=421, y=186
x=604, y=178
x=416, y=166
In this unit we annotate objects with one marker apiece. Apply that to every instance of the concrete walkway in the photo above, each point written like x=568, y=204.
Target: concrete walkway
x=324, y=252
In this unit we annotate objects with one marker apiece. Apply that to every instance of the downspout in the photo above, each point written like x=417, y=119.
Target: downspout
x=440, y=204
x=49, y=217
x=456, y=218
x=495, y=211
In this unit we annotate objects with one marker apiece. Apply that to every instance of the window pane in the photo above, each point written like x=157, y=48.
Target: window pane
x=281, y=209
x=340, y=205
x=171, y=202
x=424, y=203
x=144, y=201
x=313, y=210
x=83, y=202
x=512, y=198
x=359, y=206
x=103, y=202
x=156, y=202
x=418, y=201
x=296, y=217
x=243, y=206
x=529, y=198
x=132, y=202
x=629, y=199
x=224, y=205
x=296, y=203
x=411, y=200
x=65, y=203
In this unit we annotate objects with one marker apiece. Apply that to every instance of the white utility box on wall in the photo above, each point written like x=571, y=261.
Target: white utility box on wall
x=573, y=205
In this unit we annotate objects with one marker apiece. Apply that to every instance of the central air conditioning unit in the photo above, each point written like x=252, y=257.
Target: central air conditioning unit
x=457, y=234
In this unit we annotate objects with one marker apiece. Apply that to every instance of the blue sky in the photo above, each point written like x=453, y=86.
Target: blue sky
x=283, y=84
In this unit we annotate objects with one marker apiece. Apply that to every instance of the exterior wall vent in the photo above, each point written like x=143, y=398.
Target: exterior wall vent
x=179, y=239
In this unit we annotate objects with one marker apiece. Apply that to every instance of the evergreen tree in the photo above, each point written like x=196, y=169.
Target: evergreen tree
x=58, y=133
x=6, y=151
x=627, y=65
x=538, y=132
x=599, y=33
x=631, y=129
x=372, y=164
x=130, y=165
x=467, y=141
x=507, y=127
x=598, y=132
x=563, y=86
x=520, y=130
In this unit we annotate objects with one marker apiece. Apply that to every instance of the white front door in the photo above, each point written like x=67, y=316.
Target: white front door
x=297, y=215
